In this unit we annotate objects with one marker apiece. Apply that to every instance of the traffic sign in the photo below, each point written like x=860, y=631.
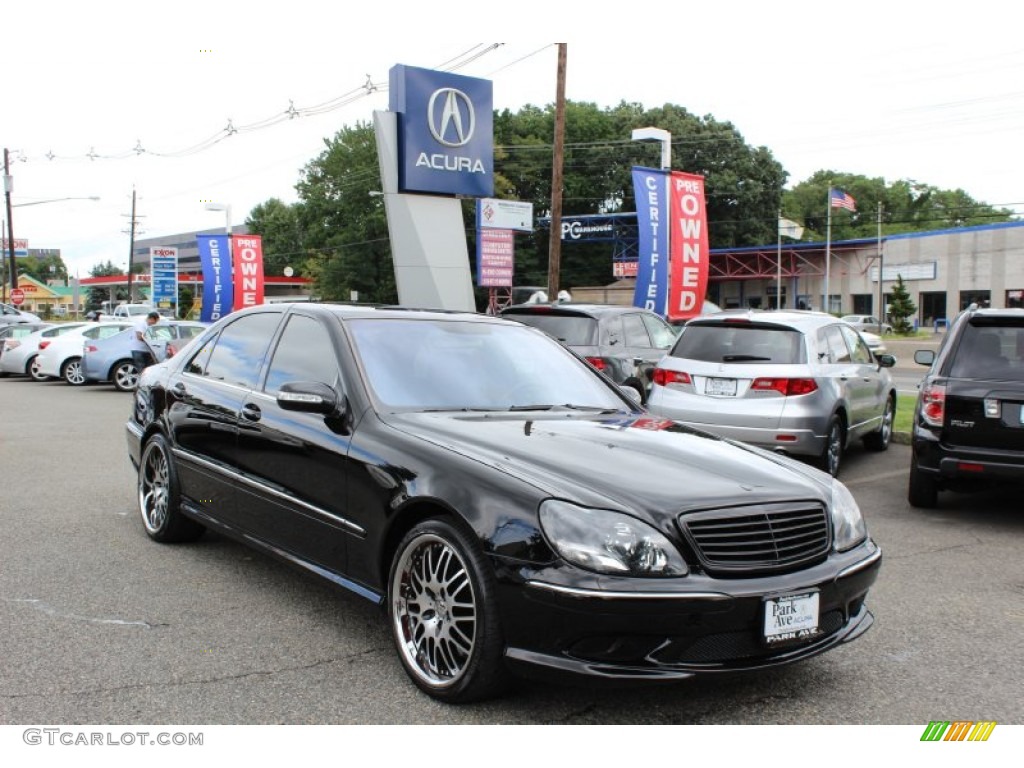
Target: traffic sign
x=17, y=296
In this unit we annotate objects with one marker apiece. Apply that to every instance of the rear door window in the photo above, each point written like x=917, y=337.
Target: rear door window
x=240, y=349
x=636, y=333
x=740, y=343
x=838, y=351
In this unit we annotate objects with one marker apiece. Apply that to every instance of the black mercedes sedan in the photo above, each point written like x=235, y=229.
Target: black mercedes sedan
x=507, y=505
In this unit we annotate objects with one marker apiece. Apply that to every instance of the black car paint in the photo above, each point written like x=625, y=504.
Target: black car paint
x=335, y=494
x=993, y=448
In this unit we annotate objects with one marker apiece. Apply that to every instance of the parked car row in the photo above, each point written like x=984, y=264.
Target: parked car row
x=88, y=352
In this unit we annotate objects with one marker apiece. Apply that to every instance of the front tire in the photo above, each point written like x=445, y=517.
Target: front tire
x=159, y=497
x=32, y=369
x=125, y=376
x=441, y=606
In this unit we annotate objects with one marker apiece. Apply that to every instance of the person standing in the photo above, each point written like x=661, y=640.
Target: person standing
x=141, y=353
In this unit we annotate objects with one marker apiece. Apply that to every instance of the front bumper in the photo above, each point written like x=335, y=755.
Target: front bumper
x=650, y=631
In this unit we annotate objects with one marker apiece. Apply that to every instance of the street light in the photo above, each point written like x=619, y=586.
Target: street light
x=227, y=213
x=8, y=189
x=660, y=135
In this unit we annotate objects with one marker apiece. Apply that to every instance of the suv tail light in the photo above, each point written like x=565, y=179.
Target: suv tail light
x=663, y=377
x=785, y=387
x=598, y=362
x=933, y=404
x=43, y=345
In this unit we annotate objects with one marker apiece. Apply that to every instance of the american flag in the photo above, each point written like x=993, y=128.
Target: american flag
x=840, y=199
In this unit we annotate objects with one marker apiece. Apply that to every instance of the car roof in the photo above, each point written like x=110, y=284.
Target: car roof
x=793, y=318
x=571, y=307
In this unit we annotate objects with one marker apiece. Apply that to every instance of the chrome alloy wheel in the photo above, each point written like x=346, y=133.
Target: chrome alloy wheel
x=887, y=419
x=434, y=610
x=834, y=448
x=126, y=377
x=74, y=373
x=154, y=488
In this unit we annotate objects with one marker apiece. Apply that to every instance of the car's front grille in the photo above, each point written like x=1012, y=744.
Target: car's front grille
x=763, y=539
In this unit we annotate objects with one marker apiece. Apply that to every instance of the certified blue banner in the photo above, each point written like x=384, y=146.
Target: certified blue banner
x=651, y=191
x=218, y=288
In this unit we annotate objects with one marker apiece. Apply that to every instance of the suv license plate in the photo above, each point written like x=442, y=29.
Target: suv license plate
x=789, y=618
x=721, y=387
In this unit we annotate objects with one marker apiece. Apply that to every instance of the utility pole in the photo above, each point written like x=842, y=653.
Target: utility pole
x=131, y=246
x=8, y=188
x=555, y=243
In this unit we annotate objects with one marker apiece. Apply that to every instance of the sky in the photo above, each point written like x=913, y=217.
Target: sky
x=109, y=89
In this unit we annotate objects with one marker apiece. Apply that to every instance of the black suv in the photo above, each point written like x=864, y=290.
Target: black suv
x=622, y=342
x=969, y=418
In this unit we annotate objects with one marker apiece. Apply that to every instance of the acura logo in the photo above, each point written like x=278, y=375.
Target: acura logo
x=453, y=120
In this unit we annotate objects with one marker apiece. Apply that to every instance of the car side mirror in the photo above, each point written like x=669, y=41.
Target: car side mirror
x=308, y=397
x=924, y=356
x=632, y=394
x=885, y=361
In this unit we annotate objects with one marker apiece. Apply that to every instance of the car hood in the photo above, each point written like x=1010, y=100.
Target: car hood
x=637, y=463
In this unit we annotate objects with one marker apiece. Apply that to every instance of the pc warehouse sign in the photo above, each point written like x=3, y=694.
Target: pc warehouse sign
x=445, y=132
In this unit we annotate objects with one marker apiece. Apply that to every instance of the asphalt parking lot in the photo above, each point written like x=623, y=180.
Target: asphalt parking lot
x=99, y=625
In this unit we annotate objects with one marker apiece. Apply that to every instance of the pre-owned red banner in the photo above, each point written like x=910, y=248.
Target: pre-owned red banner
x=247, y=257
x=688, y=247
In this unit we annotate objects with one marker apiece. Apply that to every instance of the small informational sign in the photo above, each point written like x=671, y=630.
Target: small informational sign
x=495, y=258
x=17, y=297
x=492, y=213
x=163, y=266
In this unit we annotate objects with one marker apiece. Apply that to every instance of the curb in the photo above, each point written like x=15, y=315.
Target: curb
x=902, y=438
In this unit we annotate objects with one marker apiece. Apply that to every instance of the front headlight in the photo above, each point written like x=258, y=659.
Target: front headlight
x=609, y=542
x=847, y=521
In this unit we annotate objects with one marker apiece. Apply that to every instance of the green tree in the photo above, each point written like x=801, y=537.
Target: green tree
x=43, y=268
x=96, y=296
x=901, y=308
x=278, y=224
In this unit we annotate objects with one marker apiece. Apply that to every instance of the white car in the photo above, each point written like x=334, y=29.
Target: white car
x=61, y=357
x=9, y=315
x=20, y=355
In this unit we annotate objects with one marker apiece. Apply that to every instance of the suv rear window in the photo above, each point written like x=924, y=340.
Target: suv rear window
x=734, y=343
x=990, y=352
x=572, y=330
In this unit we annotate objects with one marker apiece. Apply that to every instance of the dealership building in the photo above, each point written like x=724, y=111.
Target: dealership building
x=943, y=271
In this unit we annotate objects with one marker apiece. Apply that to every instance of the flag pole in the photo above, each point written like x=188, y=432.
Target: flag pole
x=778, y=268
x=881, y=265
x=828, y=245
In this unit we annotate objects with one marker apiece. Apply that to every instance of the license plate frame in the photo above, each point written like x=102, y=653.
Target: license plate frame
x=718, y=387
x=792, y=618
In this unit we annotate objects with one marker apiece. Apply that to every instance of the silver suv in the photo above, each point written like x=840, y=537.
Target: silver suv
x=802, y=383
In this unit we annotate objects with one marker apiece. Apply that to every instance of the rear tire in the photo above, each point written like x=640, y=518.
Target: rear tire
x=125, y=376
x=72, y=372
x=32, y=369
x=160, y=498
x=922, y=490
x=879, y=440
x=831, y=457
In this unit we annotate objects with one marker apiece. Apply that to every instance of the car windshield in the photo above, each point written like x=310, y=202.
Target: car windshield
x=573, y=330
x=459, y=365
x=990, y=352
x=739, y=343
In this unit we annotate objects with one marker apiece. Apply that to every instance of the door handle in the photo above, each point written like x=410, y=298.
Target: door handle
x=251, y=412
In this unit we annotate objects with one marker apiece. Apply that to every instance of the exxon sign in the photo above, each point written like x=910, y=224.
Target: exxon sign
x=445, y=132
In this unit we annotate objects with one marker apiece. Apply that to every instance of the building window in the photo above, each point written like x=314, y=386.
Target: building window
x=1015, y=299
x=981, y=298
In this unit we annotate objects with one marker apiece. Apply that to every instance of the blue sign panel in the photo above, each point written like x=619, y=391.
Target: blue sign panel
x=445, y=132
x=651, y=194
x=218, y=288
x=163, y=271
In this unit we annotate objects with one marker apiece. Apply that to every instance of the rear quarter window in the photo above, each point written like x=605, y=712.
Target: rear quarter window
x=989, y=352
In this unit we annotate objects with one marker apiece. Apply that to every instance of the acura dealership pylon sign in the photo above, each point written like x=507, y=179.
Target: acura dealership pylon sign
x=445, y=132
